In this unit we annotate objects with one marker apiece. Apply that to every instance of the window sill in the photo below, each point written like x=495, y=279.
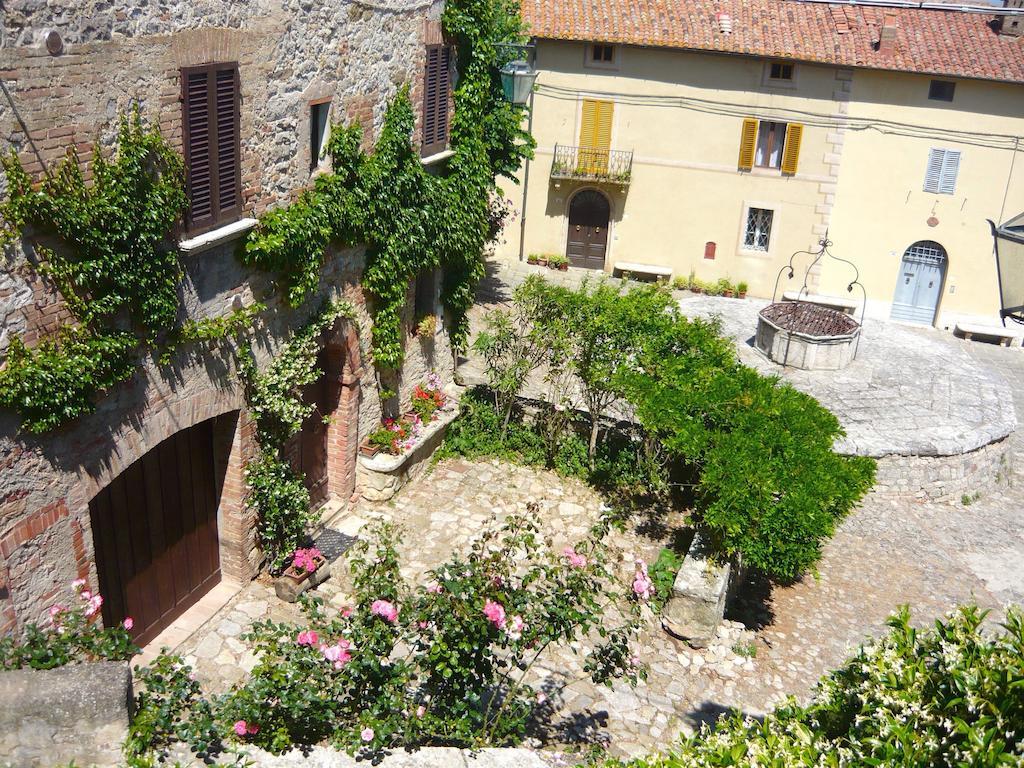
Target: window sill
x=215, y=237
x=438, y=157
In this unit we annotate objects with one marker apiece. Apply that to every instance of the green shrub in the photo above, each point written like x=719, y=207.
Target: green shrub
x=948, y=696
x=663, y=575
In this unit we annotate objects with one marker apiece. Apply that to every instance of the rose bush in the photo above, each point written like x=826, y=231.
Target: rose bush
x=441, y=663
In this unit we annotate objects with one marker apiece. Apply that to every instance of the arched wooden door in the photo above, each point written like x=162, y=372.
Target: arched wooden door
x=589, y=213
x=919, y=285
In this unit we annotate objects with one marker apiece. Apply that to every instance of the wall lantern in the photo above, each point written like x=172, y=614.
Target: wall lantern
x=1009, y=248
x=517, y=80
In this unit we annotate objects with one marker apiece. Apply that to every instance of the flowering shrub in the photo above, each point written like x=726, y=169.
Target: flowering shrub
x=428, y=398
x=949, y=696
x=304, y=560
x=442, y=663
x=72, y=634
x=397, y=435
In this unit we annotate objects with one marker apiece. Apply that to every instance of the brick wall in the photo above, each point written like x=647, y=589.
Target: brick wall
x=120, y=53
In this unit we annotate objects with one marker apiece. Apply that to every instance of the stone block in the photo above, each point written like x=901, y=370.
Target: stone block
x=74, y=713
x=699, y=595
x=288, y=589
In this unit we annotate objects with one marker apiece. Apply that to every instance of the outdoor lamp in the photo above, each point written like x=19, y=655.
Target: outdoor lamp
x=1009, y=247
x=517, y=80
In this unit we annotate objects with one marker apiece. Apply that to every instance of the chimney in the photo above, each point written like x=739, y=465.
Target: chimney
x=887, y=37
x=1012, y=25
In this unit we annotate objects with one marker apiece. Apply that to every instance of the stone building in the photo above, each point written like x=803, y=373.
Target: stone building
x=170, y=444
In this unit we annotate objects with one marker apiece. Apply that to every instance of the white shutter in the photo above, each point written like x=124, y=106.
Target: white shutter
x=950, y=169
x=933, y=176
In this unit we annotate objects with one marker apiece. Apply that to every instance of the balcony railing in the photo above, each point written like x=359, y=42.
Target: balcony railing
x=592, y=164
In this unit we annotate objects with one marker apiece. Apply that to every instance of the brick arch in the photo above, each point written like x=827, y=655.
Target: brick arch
x=344, y=371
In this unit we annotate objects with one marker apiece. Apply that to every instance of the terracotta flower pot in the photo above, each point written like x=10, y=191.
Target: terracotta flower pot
x=368, y=450
x=728, y=294
x=742, y=295
x=564, y=267
x=295, y=575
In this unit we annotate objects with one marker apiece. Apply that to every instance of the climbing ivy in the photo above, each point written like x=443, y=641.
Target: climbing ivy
x=410, y=219
x=274, y=396
x=104, y=245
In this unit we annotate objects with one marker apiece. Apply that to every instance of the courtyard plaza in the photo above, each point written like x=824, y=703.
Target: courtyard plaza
x=777, y=640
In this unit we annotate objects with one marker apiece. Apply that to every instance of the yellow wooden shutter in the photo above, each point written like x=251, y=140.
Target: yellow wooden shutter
x=791, y=153
x=748, y=144
x=595, y=136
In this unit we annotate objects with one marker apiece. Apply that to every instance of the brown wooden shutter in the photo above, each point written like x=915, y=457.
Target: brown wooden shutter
x=748, y=143
x=436, y=87
x=791, y=152
x=211, y=106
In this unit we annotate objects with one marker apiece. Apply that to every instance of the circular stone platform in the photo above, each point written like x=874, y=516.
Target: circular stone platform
x=911, y=392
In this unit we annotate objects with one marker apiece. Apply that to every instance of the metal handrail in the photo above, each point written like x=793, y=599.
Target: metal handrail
x=593, y=163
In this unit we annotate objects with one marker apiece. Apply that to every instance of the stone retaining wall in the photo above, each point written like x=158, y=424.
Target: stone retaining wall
x=51, y=717
x=943, y=478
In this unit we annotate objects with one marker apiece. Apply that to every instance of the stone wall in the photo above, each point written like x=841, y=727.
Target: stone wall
x=943, y=478
x=118, y=53
x=75, y=713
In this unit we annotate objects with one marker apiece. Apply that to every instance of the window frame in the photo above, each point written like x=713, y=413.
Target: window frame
x=936, y=90
x=591, y=63
x=778, y=82
x=750, y=205
x=447, y=53
x=218, y=217
x=316, y=158
x=780, y=128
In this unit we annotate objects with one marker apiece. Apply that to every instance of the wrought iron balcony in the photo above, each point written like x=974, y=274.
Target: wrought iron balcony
x=592, y=164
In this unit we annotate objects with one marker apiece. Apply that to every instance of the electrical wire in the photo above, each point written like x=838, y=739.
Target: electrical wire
x=784, y=114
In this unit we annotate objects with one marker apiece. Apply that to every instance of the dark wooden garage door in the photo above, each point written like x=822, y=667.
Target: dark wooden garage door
x=155, y=531
x=307, y=451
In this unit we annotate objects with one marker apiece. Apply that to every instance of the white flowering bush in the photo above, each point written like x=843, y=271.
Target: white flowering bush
x=949, y=696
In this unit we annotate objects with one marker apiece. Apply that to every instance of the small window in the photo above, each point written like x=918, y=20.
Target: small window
x=758, y=233
x=319, y=130
x=601, y=53
x=771, y=142
x=941, y=90
x=780, y=70
x=943, y=169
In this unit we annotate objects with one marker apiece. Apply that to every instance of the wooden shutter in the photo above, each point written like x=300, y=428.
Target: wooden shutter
x=748, y=144
x=211, y=106
x=933, y=174
x=791, y=152
x=595, y=136
x=436, y=88
x=950, y=170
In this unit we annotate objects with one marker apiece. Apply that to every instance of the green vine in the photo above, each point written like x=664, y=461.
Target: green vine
x=105, y=248
x=58, y=379
x=209, y=329
x=410, y=219
x=274, y=396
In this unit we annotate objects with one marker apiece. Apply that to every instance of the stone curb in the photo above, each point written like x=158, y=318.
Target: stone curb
x=428, y=757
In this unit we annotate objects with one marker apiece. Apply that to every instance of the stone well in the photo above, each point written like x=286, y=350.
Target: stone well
x=803, y=335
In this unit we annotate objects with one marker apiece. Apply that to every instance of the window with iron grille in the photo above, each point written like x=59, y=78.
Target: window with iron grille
x=943, y=169
x=210, y=119
x=758, y=233
x=436, y=94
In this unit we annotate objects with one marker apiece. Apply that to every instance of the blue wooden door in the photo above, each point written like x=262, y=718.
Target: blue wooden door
x=919, y=283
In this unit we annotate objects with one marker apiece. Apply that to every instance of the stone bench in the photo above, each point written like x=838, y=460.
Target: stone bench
x=849, y=306
x=1003, y=336
x=655, y=270
x=699, y=594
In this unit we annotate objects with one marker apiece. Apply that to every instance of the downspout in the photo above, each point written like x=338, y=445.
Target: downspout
x=526, y=173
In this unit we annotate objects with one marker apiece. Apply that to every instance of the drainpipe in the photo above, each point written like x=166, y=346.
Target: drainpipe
x=526, y=176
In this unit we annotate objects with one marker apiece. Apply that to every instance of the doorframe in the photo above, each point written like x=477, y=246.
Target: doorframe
x=611, y=223
x=942, y=287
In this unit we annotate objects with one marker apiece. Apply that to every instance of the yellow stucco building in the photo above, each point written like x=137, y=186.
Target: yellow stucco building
x=720, y=138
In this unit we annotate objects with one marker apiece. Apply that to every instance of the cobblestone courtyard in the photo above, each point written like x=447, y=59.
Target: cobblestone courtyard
x=889, y=552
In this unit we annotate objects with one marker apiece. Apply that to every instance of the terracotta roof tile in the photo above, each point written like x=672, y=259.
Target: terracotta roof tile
x=940, y=42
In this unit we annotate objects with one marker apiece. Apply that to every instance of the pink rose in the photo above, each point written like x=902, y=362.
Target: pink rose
x=385, y=610
x=495, y=613
x=346, y=612
x=515, y=627
x=541, y=697
x=241, y=727
x=576, y=560
x=337, y=653
x=643, y=587
x=95, y=603
x=435, y=588
x=55, y=611
x=423, y=624
x=421, y=711
x=128, y=622
x=367, y=734
x=309, y=637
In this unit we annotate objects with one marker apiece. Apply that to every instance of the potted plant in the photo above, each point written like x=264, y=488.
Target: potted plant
x=533, y=258
x=725, y=288
x=427, y=327
x=381, y=439
x=696, y=285
x=304, y=563
x=558, y=261
x=741, y=290
x=542, y=259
